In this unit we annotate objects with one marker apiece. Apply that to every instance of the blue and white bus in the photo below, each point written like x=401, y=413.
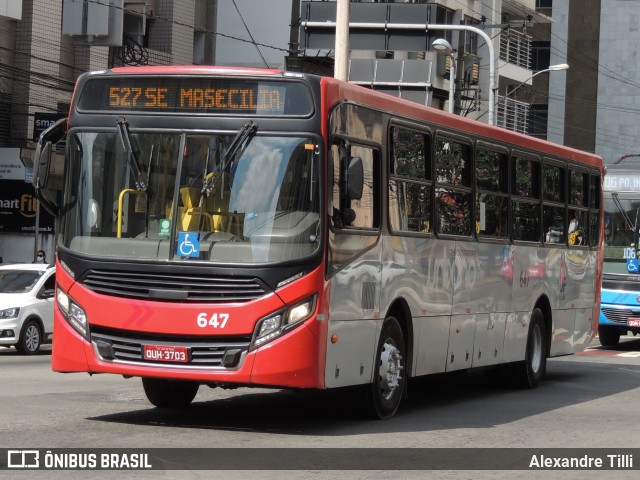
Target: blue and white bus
x=620, y=302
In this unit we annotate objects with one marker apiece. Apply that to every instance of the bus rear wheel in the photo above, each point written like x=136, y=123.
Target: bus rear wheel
x=530, y=372
x=382, y=397
x=608, y=336
x=169, y=393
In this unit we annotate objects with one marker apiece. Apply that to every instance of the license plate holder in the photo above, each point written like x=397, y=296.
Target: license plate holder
x=166, y=353
x=633, y=322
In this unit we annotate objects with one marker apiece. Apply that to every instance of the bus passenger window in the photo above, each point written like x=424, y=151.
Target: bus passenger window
x=526, y=221
x=453, y=199
x=410, y=186
x=553, y=224
x=491, y=192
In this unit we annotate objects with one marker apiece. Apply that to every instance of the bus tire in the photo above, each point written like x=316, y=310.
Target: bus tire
x=529, y=373
x=169, y=393
x=608, y=336
x=382, y=397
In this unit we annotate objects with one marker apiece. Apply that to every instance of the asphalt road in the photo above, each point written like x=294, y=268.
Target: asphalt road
x=588, y=401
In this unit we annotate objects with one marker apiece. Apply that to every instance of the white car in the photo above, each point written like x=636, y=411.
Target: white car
x=26, y=305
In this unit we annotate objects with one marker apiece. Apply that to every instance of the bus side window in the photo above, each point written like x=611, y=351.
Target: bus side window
x=491, y=192
x=410, y=185
x=554, y=198
x=366, y=213
x=526, y=198
x=453, y=193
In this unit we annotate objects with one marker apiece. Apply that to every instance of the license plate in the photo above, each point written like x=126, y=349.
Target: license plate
x=633, y=322
x=166, y=353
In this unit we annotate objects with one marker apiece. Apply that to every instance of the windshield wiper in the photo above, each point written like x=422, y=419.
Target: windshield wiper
x=132, y=154
x=240, y=141
x=621, y=209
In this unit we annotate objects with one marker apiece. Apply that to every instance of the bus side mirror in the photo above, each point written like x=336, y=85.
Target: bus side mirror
x=41, y=165
x=355, y=178
x=42, y=160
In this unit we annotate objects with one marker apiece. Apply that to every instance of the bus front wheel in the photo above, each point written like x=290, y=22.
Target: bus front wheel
x=169, y=393
x=608, y=336
x=382, y=397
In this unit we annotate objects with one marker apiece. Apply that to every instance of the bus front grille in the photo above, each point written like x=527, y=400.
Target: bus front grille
x=617, y=315
x=174, y=287
x=129, y=347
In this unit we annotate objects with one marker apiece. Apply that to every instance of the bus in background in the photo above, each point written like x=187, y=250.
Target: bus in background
x=620, y=308
x=246, y=227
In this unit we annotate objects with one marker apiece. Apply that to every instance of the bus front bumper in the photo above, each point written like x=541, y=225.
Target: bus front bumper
x=291, y=360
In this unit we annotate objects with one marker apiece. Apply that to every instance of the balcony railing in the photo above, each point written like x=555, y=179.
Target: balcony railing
x=515, y=47
x=512, y=114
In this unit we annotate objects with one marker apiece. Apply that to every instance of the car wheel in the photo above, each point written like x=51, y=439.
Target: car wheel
x=169, y=393
x=30, y=338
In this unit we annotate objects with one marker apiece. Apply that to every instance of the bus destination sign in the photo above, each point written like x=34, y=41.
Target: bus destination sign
x=211, y=95
x=622, y=182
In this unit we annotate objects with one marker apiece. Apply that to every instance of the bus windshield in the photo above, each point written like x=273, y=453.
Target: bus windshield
x=224, y=198
x=621, y=219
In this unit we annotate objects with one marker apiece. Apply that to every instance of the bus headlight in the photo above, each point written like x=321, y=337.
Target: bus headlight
x=280, y=322
x=72, y=312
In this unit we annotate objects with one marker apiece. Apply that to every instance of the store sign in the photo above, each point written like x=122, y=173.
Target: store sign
x=42, y=121
x=11, y=167
x=18, y=205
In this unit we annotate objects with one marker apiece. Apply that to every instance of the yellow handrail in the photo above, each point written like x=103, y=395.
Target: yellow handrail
x=120, y=202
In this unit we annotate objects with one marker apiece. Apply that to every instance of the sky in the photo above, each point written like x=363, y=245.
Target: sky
x=268, y=22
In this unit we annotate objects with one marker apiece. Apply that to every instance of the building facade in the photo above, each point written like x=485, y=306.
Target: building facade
x=597, y=108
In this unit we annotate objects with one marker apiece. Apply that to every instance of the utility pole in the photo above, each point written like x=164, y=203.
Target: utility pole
x=459, y=74
x=342, y=40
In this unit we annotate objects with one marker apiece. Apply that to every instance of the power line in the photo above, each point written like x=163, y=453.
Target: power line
x=249, y=32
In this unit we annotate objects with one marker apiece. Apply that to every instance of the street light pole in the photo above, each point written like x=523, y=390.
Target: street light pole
x=341, y=49
x=492, y=63
x=442, y=45
x=551, y=68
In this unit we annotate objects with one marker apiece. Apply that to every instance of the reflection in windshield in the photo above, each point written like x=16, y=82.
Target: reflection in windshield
x=18, y=281
x=205, y=200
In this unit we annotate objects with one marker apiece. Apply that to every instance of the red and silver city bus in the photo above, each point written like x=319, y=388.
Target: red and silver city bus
x=247, y=227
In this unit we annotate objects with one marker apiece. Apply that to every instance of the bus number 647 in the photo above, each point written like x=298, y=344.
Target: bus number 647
x=217, y=320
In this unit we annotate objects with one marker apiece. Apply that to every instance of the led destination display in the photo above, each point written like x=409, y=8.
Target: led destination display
x=173, y=94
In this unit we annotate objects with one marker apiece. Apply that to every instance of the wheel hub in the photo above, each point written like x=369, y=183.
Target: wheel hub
x=32, y=338
x=390, y=369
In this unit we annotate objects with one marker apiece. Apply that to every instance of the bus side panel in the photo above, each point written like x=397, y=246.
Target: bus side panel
x=431, y=344
x=419, y=272
x=354, y=318
x=515, y=336
x=584, y=329
x=582, y=268
x=482, y=287
x=562, y=337
x=489, y=339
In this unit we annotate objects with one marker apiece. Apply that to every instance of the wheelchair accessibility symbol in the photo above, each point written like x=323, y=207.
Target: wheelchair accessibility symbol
x=188, y=244
x=633, y=265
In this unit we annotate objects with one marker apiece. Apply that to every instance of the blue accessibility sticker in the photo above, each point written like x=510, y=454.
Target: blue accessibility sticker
x=188, y=244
